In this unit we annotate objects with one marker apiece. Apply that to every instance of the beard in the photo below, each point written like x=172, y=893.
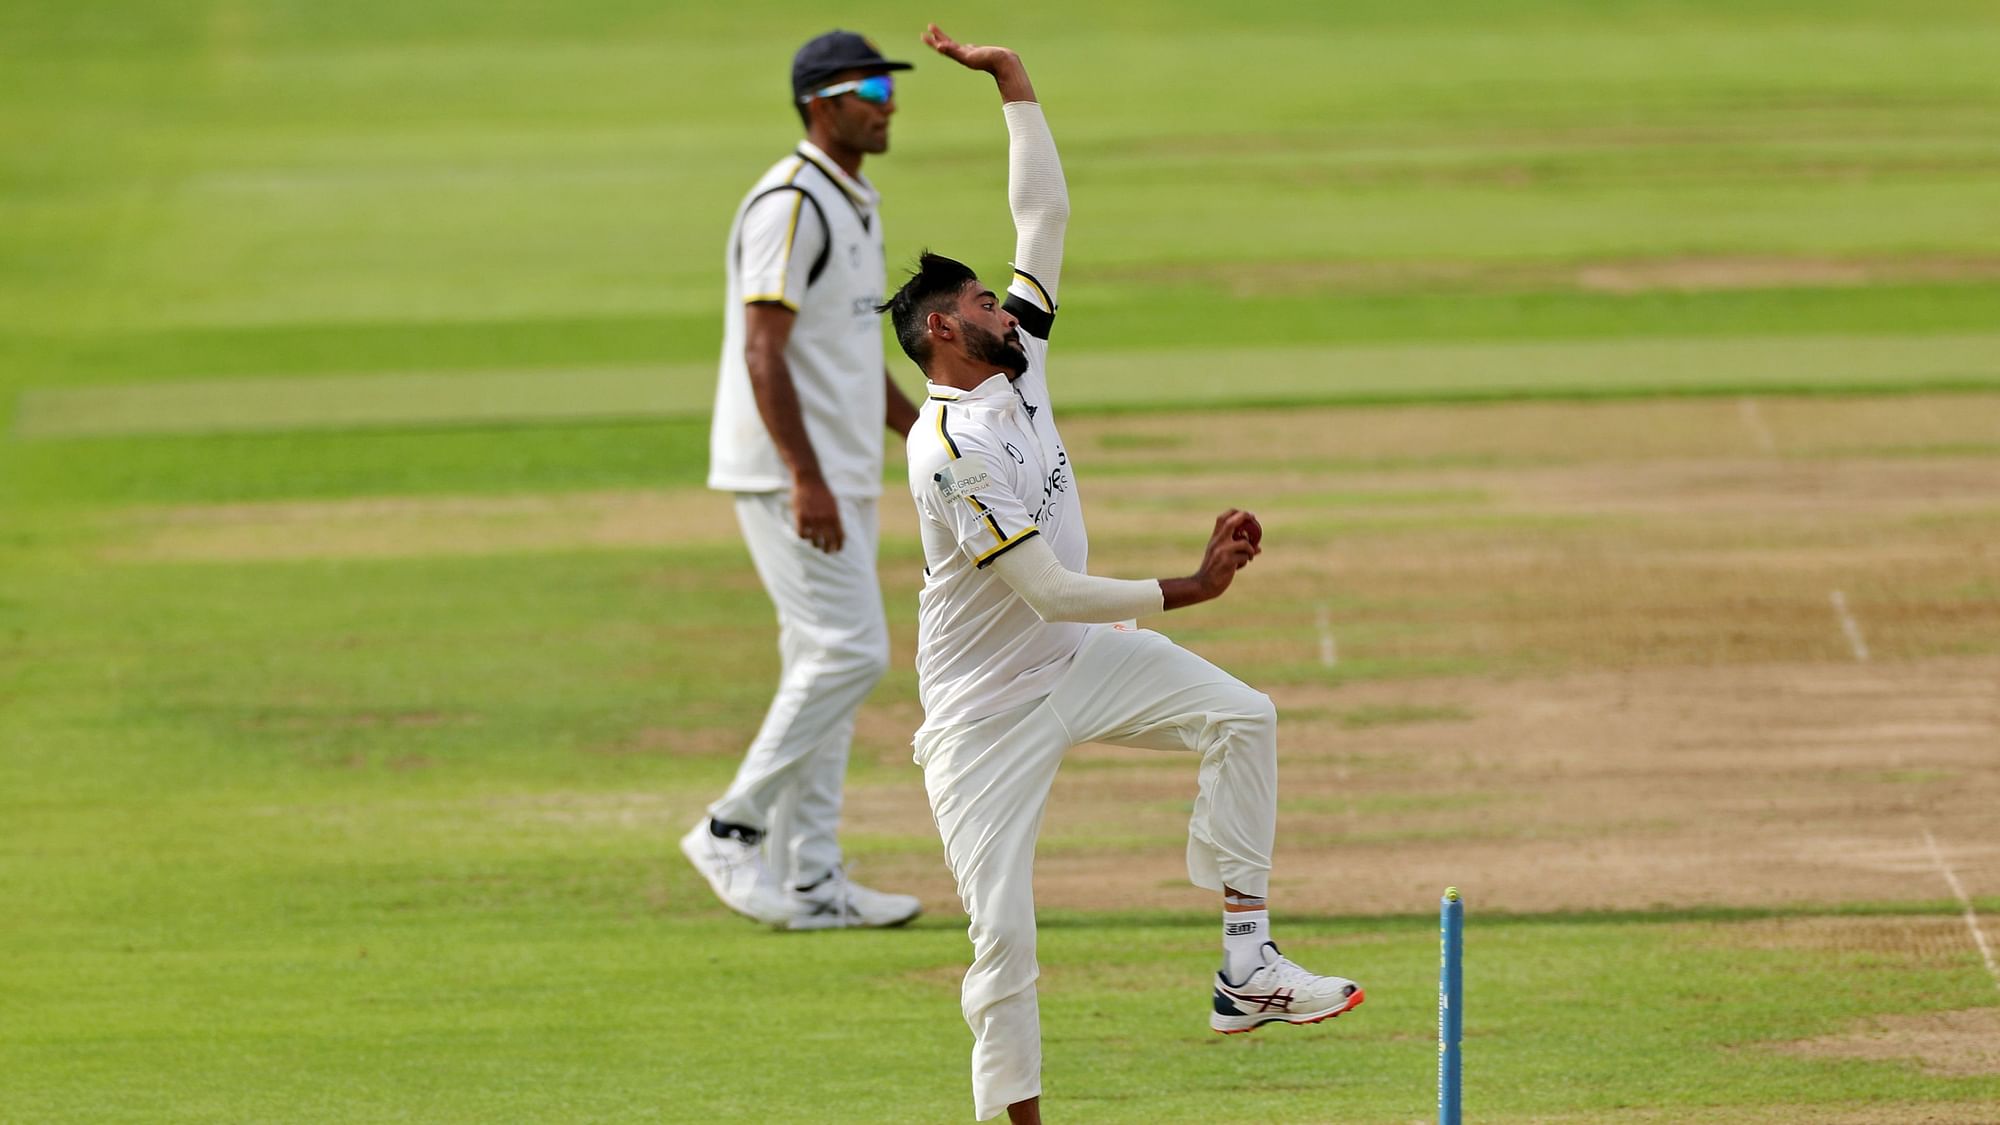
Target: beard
x=985, y=347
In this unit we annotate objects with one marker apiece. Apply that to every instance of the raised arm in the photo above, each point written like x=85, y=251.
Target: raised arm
x=1036, y=192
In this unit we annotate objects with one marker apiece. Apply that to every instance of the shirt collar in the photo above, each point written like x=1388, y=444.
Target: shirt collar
x=857, y=187
x=996, y=388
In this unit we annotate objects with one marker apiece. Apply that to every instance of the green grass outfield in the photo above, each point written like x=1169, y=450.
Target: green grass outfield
x=392, y=839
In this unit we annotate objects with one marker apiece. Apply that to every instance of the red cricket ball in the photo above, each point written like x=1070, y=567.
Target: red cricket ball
x=1251, y=530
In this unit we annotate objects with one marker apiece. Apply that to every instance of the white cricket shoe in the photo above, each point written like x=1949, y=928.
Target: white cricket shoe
x=837, y=902
x=1280, y=991
x=735, y=870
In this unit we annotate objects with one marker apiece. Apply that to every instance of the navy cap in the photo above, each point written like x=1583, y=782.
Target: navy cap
x=828, y=55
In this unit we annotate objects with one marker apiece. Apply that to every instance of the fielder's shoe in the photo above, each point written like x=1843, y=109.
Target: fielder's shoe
x=1279, y=991
x=733, y=864
x=836, y=902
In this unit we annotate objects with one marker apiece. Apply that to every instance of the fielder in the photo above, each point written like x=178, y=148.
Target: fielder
x=1021, y=653
x=800, y=406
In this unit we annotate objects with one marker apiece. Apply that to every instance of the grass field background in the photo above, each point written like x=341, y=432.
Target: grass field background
x=366, y=638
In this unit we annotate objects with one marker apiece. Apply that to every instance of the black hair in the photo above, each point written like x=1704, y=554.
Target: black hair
x=934, y=287
x=805, y=111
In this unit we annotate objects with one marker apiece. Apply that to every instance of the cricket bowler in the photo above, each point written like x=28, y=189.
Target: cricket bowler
x=1022, y=653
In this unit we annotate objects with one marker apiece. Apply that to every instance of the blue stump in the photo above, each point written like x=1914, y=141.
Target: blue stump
x=1451, y=1002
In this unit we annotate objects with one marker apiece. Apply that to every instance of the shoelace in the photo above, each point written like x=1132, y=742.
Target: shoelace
x=736, y=863
x=1286, y=971
x=831, y=894
x=842, y=897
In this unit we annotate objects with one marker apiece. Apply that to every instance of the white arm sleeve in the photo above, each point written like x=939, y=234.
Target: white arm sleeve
x=1037, y=196
x=1057, y=593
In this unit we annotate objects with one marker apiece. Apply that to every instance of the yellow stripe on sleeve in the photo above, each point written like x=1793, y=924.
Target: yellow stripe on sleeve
x=987, y=515
x=949, y=445
x=996, y=552
x=1048, y=305
x=792, y=232
x=791, y=235
x=952, y=448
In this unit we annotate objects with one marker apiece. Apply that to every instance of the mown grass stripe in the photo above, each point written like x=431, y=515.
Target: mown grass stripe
x=1103, y=382
x=323, y=402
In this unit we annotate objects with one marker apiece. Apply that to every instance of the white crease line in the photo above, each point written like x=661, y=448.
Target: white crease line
x=1326, y=651
x=1753, y=420
x=1850, y=627
x=1964, y=901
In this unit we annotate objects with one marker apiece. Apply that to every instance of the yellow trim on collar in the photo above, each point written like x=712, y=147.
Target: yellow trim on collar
x=839, y=179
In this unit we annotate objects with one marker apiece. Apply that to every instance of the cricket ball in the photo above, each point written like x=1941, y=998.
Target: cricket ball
x=1251, y=530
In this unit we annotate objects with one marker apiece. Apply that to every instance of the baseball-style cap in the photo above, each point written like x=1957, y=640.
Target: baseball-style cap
x=828, y=55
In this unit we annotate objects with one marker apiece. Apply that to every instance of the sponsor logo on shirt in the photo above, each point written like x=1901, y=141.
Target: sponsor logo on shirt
x=962, y=478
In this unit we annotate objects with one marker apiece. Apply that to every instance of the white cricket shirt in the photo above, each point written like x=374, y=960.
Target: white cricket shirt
x=988, y=470
x=809, y=237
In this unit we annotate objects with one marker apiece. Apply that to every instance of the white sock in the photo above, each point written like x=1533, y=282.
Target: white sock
x=1244, y=933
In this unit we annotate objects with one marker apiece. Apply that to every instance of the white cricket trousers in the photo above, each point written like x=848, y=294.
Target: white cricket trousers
x=833, y=646
x=989, y=781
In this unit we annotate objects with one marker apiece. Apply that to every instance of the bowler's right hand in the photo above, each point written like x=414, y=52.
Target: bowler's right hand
x=970, y=55
x=1230, y=549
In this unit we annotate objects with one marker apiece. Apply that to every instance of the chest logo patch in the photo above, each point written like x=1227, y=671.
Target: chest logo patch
x=961, y=478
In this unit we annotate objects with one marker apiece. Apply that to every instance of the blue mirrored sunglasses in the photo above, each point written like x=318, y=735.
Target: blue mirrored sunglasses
x=876, y=89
